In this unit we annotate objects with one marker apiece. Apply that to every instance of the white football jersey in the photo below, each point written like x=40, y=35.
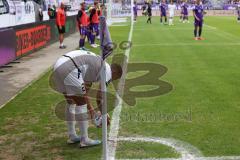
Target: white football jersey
x=171, y=8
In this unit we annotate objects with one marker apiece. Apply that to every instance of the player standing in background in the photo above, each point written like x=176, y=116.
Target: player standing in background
x=135, y=11
x=181, y=13
x=94, y=23
x=198, y=18
x=185, y=12
x=163, y=8
x=83, y=25
x=149, y=12
x=144, y=9
x=60, y=21
x=238, y=12
x=171, y=9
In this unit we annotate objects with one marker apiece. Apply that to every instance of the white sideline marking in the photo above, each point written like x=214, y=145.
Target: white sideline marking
x=114, y=128
x=186, y=44
x=211, y=27
x=187, y=151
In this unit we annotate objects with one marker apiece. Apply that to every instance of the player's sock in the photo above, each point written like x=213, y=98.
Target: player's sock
x=97, y=32
x=81, y=42
x=92, y=38
x=200, y=32
x=89, y=37
x=195, y=32
x=70, y=120
x=82, y=120
x=170, y=21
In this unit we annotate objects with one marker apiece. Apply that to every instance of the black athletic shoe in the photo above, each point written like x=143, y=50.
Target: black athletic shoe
x=62, y=47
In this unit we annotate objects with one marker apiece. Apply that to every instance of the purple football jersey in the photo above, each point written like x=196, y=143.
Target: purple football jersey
x=181, y=7
x=198, y=9
x=185, y=9
x=163, y=7
x=135, y=9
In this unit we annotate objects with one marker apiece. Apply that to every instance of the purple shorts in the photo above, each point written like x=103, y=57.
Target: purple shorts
x=84, y=30
x=163, y=14
x=95, y=27
x=198, y=23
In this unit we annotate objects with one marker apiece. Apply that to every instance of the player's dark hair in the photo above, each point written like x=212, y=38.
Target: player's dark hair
x=95, y=2
x=82, y=3
x=116, y=71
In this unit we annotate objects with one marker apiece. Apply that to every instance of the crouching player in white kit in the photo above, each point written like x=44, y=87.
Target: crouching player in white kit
x=73, y=75
x=171, y=8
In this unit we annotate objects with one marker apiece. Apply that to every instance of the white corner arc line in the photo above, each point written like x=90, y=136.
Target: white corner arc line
x=114, y=127
x=187, y=151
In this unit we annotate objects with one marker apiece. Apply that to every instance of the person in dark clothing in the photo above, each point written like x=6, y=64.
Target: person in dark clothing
x=149, y=11
x=144, y=10
x=51, y=12
x=40, y=13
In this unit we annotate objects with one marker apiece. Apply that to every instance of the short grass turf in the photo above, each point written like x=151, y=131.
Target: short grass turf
x=30, y=128
x=205, y=80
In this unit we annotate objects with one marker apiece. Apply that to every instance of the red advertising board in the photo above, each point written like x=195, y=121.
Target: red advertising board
x=32, y=38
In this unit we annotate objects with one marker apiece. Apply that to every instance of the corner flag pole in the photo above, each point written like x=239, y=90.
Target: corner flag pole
x=104, y=111
x=107, y=49
x=132, y=13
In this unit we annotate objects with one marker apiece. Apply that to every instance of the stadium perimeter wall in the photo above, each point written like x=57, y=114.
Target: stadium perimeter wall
x=22, y=40
x=209, y=12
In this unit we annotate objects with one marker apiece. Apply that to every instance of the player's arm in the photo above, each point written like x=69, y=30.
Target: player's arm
x=194, y=14
x=93, y=11
x=99, y=102
x=79, y=15
x=99, y=98
x=87, y=87
x=59, y=20
x=99, y=12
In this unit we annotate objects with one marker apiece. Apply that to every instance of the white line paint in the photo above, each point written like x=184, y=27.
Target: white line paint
x=211, y=27
x=114, y=128
x=187, y=151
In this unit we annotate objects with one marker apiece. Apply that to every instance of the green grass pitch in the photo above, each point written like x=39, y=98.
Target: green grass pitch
x=205, y=79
